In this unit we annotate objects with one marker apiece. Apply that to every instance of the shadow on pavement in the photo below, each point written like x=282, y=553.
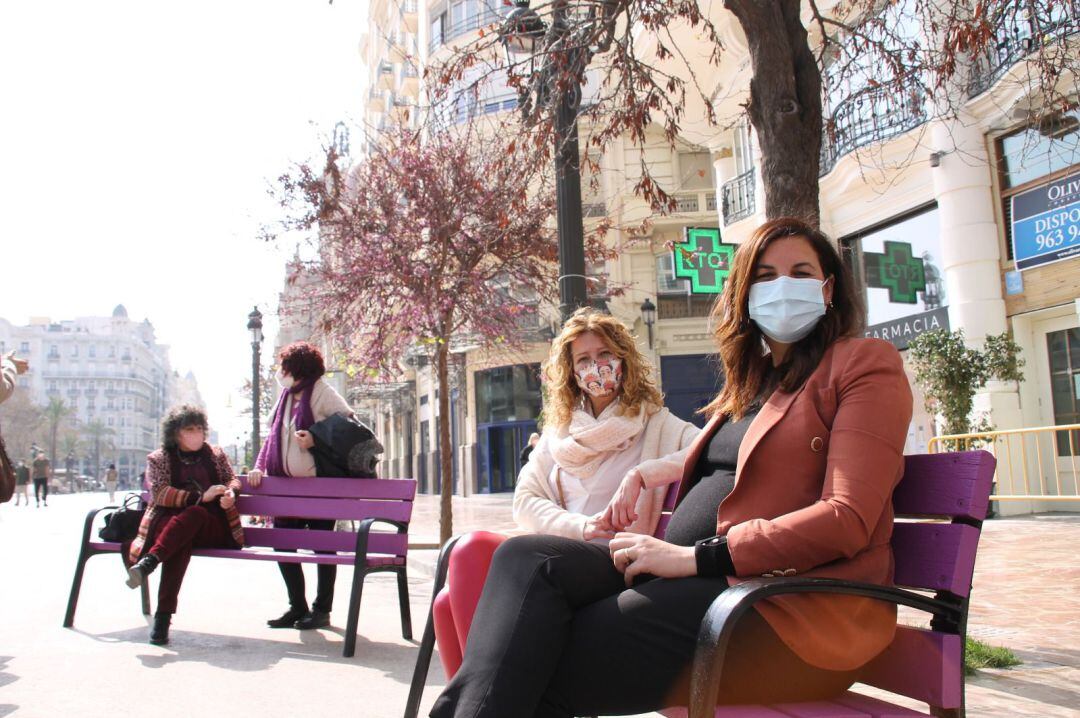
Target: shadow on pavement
x=6, y=678
x=244, y=653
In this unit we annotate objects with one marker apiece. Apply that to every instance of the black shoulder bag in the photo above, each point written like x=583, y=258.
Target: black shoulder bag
x=123, y=524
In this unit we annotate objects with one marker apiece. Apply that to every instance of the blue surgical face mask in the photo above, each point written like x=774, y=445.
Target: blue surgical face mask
x=787, y=309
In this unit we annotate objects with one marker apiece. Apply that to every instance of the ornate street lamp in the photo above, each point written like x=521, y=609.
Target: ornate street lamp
x=648, y=315
x=255, y=326
x=521, y=36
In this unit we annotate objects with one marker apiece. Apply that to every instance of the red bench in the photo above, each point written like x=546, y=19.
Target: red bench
x=939, y=506
x=364, y=501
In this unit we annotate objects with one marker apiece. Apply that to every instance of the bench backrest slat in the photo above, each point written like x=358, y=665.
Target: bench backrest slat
x=314, y=540
x=956, y=485
x=324, y=508
x=936, y=557
x=322, y=487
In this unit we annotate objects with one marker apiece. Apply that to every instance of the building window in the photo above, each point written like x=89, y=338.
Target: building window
x=695, y=171
x=674, y=300
x=1034, y=155
x=74, y=350
x=92, y=351
x=1063, y=348
x=508, y=393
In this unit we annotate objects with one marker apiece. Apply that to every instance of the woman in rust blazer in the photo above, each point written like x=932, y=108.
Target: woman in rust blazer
x=793, y=475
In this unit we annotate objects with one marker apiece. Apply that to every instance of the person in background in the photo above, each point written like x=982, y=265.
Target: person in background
x=192, y=505
x=527, y=450
x=41, y=472
x=110, y=481
x=22, y=488
x=305, y=398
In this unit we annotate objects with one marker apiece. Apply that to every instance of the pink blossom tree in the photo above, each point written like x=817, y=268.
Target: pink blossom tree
x=424, y=241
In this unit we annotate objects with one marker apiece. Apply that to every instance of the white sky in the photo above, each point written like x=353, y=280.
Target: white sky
x=136, y=144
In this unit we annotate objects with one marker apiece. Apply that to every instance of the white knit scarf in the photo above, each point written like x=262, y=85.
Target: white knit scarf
x=590, y=441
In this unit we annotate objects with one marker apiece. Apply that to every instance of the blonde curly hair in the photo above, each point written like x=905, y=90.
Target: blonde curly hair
x=563, y=395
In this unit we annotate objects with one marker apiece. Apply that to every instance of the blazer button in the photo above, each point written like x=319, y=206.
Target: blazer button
x=817, y=444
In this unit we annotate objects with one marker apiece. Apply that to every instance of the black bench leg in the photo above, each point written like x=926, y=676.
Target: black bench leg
x=76, y=585
x=427, y=642
x=423, y=663
x=403, y=604
x=352, y=625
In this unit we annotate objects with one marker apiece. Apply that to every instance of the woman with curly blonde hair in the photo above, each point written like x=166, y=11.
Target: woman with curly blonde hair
x=604, y=416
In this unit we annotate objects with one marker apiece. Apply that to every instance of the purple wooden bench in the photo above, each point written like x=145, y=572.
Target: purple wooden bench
x=364, y=501
x=939, y=506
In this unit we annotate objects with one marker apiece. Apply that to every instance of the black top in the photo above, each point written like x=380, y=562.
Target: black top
x=712, y=481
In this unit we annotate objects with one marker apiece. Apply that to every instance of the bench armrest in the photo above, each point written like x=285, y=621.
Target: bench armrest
x=89, y=524
x=718, y=624
x=364, y=528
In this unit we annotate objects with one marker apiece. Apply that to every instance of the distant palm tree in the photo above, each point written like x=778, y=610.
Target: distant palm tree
x=55, y=414
x=96, y=434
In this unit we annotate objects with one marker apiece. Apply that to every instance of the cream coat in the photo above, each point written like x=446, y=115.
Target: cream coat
x=7, y=379
x=325, y=402
x=536, y=509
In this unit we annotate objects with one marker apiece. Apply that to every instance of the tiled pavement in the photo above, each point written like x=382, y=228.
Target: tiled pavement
x=224, y=660
x=1026, y=597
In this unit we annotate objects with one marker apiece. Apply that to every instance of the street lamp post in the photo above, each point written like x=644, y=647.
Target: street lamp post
x=255, y=326
x=648, y=315
x=520, y=33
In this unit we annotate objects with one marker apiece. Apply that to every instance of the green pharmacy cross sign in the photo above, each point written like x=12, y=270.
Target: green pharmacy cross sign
x=702, y=259
x=897, y=270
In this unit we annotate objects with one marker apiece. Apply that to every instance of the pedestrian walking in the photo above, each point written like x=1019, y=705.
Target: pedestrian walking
x=41, y=472
x=526, y=452
x=22, y=489
x=110, y=481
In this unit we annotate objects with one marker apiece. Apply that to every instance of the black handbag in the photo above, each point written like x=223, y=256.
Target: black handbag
x=123, y=524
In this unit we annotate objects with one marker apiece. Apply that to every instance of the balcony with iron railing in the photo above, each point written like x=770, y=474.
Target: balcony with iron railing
x=1028, y=26
x=871, y=116
x=470, y=23
x=737, y=197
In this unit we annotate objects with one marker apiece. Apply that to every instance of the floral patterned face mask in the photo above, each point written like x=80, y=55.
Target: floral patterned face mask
x=600, y=378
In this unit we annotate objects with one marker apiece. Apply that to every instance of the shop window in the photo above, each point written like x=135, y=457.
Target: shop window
x=898, y=267
x=1063, y=348
x=674, y=300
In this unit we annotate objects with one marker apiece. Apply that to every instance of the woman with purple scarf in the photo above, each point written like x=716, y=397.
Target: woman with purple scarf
x=305, y=399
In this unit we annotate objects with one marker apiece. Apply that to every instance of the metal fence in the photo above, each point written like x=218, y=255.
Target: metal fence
x=1033, y=464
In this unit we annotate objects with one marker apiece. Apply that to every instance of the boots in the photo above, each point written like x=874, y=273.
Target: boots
x=159, y=634
x=138, y=573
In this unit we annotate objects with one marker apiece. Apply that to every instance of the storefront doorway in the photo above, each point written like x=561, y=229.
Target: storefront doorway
x=498, y=447
x=689, y=382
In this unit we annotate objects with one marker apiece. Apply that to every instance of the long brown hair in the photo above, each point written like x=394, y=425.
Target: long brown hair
x=563, y=393
x=738, y=339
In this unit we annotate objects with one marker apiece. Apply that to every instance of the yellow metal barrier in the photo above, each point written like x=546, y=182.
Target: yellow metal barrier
x=1033, y=464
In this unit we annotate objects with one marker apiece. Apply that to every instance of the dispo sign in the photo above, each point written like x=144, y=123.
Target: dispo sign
x=1046, y=223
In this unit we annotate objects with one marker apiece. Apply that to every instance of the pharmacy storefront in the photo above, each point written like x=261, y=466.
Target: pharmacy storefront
x=898, y=266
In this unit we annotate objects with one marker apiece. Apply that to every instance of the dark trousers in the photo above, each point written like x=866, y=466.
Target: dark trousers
x=41, y=490
x=194, y=527
x=557, y=634
x=293, y=573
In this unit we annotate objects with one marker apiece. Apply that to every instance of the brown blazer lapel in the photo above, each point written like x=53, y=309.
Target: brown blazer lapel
x=770, y=415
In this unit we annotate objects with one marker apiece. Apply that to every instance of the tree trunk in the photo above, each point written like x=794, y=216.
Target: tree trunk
x=446, y=456
x=785, y=105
